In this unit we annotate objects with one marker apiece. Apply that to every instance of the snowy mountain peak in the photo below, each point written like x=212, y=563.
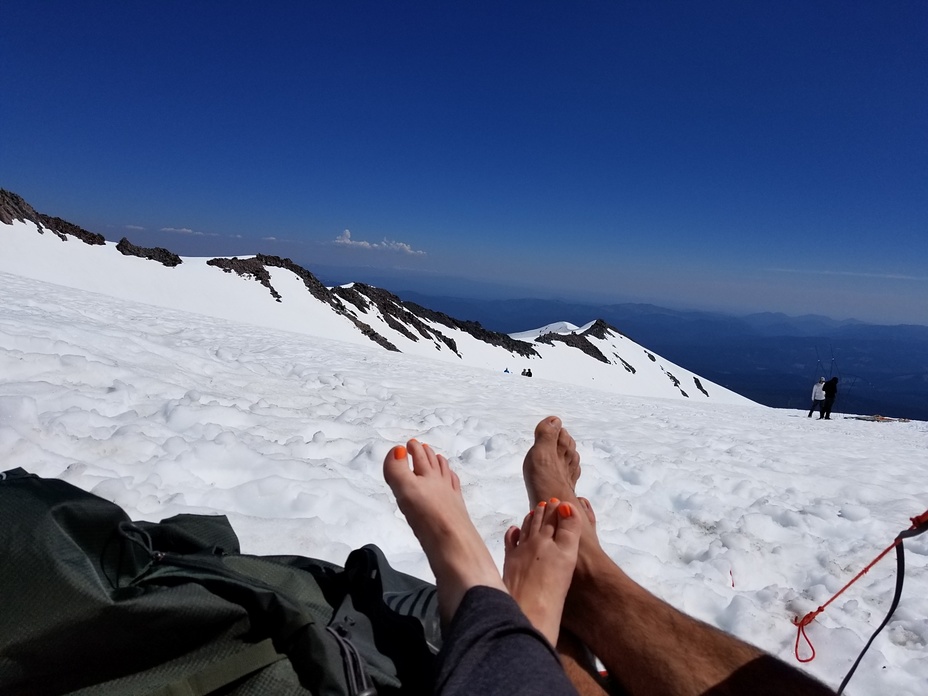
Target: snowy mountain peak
x=278, y=293
x=556, y=327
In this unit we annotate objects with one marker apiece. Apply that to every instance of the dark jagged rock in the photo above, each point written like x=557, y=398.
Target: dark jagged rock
x=316, y=289
x=699, y=386
x=63, y=227
x=397, y=326
x=358, y=300
x=676, y=383
x=397, y=316
x=580, y=342
x=324, y=294
x=257, y=268
x=628, y=368
x=371, y=334
x=600, y=329
x=245, y=268
x=351, y=295
x=13, y=207
x=159, y=254
x=474, y=329
x=651, y=355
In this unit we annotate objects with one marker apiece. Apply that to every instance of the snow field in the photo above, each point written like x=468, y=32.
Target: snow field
x=740, y=515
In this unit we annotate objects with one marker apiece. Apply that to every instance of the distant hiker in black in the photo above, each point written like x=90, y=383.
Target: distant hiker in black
x=818, y=396
x=527, y=372
x=831, y=392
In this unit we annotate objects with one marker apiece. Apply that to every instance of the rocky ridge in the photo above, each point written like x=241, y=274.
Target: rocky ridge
x=13, y=207
x=399, y=322
x=159, y=254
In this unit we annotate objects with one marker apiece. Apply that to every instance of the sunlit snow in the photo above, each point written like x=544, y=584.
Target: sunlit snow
x=741, y=515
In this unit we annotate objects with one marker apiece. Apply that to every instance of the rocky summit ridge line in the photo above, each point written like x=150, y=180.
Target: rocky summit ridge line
x=596, y=355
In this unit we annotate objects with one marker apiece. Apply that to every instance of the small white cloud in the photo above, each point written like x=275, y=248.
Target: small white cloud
x=268, y=239
x=134, y=227
x=345, y=239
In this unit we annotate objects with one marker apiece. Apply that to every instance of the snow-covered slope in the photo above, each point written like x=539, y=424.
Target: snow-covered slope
x=744, y=518
x=276, y=293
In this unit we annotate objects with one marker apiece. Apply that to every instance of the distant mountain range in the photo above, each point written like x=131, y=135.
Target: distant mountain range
x=275, y=292
x=770, y=358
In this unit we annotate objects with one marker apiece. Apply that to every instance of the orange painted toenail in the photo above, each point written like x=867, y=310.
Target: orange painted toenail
x=554, y=501
x=565, y=510
x=542, y=504
x=399, y=452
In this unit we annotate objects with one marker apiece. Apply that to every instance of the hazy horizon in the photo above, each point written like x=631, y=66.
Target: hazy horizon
x=425, y=282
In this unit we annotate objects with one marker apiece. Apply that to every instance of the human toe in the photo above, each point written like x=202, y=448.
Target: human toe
x=511, y=538
x=395, y=464
x=424, y=459
x=548, y=429
x=569, y=522
x=534, y=519
x=587, y=509
x=565, y=442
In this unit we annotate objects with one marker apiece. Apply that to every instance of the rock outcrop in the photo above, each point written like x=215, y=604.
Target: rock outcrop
x=257, y=268
x=474, y=329
x=13, y=207
x=159, y=254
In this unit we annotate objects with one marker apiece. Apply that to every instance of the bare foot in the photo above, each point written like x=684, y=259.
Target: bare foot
x=551, y=469
x=429, y=495
x=552, y=465
x=540, y=561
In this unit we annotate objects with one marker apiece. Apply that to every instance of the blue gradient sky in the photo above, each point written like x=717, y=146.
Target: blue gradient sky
x=715, y=155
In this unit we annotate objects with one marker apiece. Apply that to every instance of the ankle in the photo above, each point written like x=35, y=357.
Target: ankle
x=595, y=576
x=592, y=561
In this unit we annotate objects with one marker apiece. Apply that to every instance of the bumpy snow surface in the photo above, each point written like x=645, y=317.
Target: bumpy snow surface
x=741, y=515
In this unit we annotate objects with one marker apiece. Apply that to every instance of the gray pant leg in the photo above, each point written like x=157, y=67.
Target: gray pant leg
x=491, y=649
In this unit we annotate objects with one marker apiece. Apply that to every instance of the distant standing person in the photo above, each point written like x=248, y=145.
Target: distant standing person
x=818, y=396
x=831, y=391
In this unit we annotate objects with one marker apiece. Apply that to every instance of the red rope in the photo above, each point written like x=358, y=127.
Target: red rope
x=917, y=521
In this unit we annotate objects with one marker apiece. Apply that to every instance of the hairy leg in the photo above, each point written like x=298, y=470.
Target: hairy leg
x=580, y=666
x=645, y=644
x=551, y=469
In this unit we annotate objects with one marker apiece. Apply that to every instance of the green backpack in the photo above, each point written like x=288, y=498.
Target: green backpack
x=94, y=603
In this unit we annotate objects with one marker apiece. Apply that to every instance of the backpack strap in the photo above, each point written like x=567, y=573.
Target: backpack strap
x=218, y=674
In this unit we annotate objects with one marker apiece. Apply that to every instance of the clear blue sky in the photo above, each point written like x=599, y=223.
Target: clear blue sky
x=721, y=155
